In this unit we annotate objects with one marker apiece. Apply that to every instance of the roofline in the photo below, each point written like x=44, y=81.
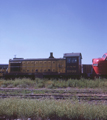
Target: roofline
x=40, y=59
x=72, y=55
x=3, y=64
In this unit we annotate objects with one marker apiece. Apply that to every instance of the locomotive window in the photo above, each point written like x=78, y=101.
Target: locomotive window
x=68, y=60
x=104, y=56
x=71, y=60
x=74, y=60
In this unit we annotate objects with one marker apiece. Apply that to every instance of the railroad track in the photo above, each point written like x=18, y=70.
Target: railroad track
x=63, y=96
x=80, y=94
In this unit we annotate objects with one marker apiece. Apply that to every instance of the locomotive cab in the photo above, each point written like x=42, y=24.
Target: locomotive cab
x=100, y=65
x=73, y=64
x=15, y=65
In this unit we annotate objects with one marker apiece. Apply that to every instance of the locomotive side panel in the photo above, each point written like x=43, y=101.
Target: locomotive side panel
x=61, y=65
x=43, y=66
x=24, y=67
x=54, y=66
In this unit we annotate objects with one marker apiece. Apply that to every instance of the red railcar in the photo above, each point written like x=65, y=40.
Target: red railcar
x=100, y=65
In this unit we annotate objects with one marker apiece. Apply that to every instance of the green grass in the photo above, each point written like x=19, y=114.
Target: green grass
x=52, y=109
x=45, y=83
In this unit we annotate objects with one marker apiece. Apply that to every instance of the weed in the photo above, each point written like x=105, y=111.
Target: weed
x=41, y=83
x=52, y=109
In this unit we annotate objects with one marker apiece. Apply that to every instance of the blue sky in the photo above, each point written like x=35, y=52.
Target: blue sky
x=34, y=28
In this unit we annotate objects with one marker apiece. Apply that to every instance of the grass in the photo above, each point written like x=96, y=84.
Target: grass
x=52, y=109
x=45, y=83
x=45, y=109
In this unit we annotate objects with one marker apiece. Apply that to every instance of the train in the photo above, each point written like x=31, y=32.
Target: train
x=100, y=66
x=69, y=66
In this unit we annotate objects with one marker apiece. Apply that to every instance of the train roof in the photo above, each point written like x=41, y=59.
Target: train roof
x=72, y=55
x=38, y=59
x=3, y=66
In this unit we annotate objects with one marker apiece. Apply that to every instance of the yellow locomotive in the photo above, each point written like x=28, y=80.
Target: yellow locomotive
x=68, y=66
